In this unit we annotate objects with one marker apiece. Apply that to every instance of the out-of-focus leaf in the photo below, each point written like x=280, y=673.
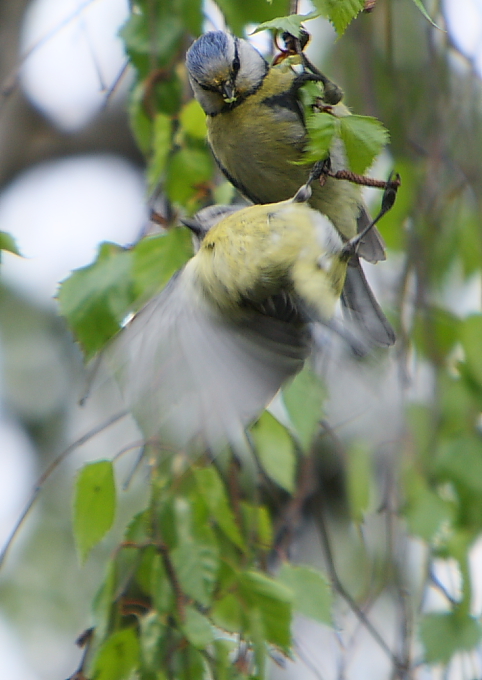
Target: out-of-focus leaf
x=312, y=593
x=257, y=521
x=238, y=14
x=364, y=138
x=215, y=497
x=96, y=298
x=273, y=602
x=420, y=6
x=471, y=337
x=436, y=331
x=187, y=171
x=304, y=398
x=192, y=15
x=291, y=24
x=193, y=120
x=275, y=450
x=445, y=634
x=103, y=602
x=152, y=630
x=7, y=242
x=118, y=657
x=196, y=567
x=94, y=505
x=227, y=613
x=197, y=628
x=156, y=258
x=339, y=12
x=359, y=477
x=140, y=122
x=425, y=511
x=152, y=34
x=161, y=146
x=459, y=462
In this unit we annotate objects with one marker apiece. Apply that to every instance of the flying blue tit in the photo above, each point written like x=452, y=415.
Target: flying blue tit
x=257, y=133
x=203, y=359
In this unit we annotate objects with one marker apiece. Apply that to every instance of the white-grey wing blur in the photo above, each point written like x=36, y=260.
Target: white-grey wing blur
x=194, y=380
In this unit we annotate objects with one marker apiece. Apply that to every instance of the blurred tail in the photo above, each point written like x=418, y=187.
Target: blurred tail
x=362, y=309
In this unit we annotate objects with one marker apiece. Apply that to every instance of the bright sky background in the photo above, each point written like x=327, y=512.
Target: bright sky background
x=60, y=210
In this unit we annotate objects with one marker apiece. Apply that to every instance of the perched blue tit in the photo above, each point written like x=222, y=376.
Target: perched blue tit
x=257, y=134
x=202, y=360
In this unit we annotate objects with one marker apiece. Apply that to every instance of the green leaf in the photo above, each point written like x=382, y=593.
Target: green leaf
x=312, y=592
x=290, y=24
x=193, y=120
x=156, y=258
x=364, y=138
x=322, y=128
x=196, y=566
x=152, y=631
x=420, y=6
x=94, y=505
x=426, y=512
x=118, y=657
x=192, y=15
x=238, y=14
x=161, y=146
x=103, y=601
x=359, y=481
x=275, y=450
x=141, y=124
x=160, y=587
x=227, y=613
x=7, y=242
x=216, y=499
x=436, y=329
x=304, y=398
x=197, y=628
x=445, y=634
x=187, y=171
x=258, y=527
x=340, y=12
x=96, y=298
x=471, y=337
x=272, y=601
x=461, y=460
x=152, y=35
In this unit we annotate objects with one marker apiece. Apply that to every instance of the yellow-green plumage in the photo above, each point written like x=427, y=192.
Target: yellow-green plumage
x=260, y=250
x=259, y=144
x=257, y=134
x=202, y=359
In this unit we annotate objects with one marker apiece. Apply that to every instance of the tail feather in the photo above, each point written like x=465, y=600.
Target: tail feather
x=360, y=306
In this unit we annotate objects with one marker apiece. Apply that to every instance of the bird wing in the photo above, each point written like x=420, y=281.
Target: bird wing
x=194, y=379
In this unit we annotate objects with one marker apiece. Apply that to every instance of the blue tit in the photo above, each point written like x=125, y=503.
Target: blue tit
x=257, y=134
x=202, y=360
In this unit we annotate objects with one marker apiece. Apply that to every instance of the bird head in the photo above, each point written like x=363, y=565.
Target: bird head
x=223, y=70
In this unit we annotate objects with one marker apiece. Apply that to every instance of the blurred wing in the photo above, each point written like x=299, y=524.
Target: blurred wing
x=194, y=379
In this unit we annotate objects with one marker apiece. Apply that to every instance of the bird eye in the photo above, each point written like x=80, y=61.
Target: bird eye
x=236, y=65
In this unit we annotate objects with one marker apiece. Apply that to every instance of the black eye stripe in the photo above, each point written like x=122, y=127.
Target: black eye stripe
x=236, y=65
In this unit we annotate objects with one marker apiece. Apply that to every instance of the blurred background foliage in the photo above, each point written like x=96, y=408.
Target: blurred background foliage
x=394, y=485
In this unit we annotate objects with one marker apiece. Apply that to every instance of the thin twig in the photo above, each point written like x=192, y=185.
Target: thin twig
x=172, y=576
x=11, y=82
x=349, y=599
x=361, y=180
x=51, y=468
